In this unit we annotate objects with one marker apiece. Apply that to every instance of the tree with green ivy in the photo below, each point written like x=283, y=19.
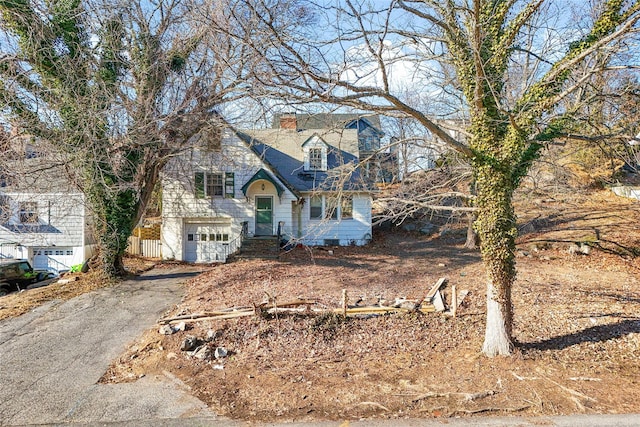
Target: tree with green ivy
x=503, y=66
x=117, y=88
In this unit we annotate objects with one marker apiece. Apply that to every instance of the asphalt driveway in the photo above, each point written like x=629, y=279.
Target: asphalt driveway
x=52, y=357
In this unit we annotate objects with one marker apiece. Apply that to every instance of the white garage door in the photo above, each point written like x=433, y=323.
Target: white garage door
x=53, y=259
x=206, y=242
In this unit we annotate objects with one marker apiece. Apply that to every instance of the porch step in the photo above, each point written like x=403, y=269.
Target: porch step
x=263, y=247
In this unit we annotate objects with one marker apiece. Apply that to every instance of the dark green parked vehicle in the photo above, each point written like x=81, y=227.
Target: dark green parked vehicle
x=16, y=274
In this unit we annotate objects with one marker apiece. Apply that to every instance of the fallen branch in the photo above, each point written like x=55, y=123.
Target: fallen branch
x=465, y=396
x=482, y=410
x=376, y=404
x=518, y=377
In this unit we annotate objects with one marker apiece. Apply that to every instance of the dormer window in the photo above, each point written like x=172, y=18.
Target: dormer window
x=315, y=154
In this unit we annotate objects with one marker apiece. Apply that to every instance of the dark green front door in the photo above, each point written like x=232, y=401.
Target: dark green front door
x=264, y=215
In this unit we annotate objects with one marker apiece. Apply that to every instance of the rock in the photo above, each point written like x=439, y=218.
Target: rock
x=220, y=352
x=428, y=228
x=189, y=343
x=171, y=355
x=527, y=228
x=218, y=367
x=182, y=326
x=166, y=330
x=211, y=334
x=203, y=352
x=410, y=227
x=583, y=249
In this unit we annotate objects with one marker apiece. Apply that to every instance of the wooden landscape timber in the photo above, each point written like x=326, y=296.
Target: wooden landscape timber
x=431, y=302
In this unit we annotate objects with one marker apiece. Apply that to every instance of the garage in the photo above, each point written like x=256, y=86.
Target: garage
x=206, y=242
x=54, y=259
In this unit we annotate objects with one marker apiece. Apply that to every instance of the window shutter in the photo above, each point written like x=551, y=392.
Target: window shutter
x=199, y=185
x=229, y=185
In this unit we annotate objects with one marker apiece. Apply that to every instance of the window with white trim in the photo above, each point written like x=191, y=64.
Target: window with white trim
x=346, y=207
x=331, y=207
x=315, y=159
x=315, y=207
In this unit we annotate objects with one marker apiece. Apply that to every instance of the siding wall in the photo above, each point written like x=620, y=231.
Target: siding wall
x=356, y=230
x=61, y=220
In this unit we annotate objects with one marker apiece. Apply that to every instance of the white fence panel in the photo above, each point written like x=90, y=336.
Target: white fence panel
x=151, y=248
x=145, y=248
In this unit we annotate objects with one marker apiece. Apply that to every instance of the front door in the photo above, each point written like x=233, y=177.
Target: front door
x=264, y=216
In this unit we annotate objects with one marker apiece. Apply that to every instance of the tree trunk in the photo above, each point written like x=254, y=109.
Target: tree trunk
x=113, y=214
x=496, y=227
x=473, y=240
x=497, y=336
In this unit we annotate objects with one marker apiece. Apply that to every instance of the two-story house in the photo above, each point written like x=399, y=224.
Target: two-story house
x=378, y=163
x=302, y=184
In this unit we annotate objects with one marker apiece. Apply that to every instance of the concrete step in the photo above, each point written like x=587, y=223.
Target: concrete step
x=263, y=247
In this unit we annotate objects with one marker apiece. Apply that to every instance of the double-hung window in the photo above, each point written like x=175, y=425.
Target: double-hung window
x=315, y=207
x=331, y=207
x=315, y=158
x=346, y=207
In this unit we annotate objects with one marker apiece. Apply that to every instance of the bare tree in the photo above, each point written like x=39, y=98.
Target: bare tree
x=474, y=51
x=119, y=88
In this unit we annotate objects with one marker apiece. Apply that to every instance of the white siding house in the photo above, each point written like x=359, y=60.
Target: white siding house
x=44, y=226
x=301, y=185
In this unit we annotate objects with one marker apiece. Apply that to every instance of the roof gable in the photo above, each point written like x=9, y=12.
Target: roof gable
x=263, y=174
x=314, y=141
x=363, y=123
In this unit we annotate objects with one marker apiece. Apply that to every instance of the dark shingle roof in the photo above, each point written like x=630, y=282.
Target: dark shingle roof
x=341, y=169
x=328, y=120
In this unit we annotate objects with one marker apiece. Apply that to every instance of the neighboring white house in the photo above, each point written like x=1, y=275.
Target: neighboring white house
x=419, y=153
x=302, y=184
x=41, y=218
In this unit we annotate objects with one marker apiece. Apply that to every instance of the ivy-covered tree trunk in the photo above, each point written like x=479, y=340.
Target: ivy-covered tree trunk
x=496, y=226
x=113, y=214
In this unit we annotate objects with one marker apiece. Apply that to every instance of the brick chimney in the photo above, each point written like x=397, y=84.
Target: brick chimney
x=288, y=121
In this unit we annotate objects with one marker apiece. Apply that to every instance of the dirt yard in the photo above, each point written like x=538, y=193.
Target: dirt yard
x=576, y=323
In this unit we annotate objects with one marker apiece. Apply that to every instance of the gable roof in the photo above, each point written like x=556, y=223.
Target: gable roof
x=263, y=174
x=329, y=120
x=341, y=168
x=315, y=138
x=290, y=141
